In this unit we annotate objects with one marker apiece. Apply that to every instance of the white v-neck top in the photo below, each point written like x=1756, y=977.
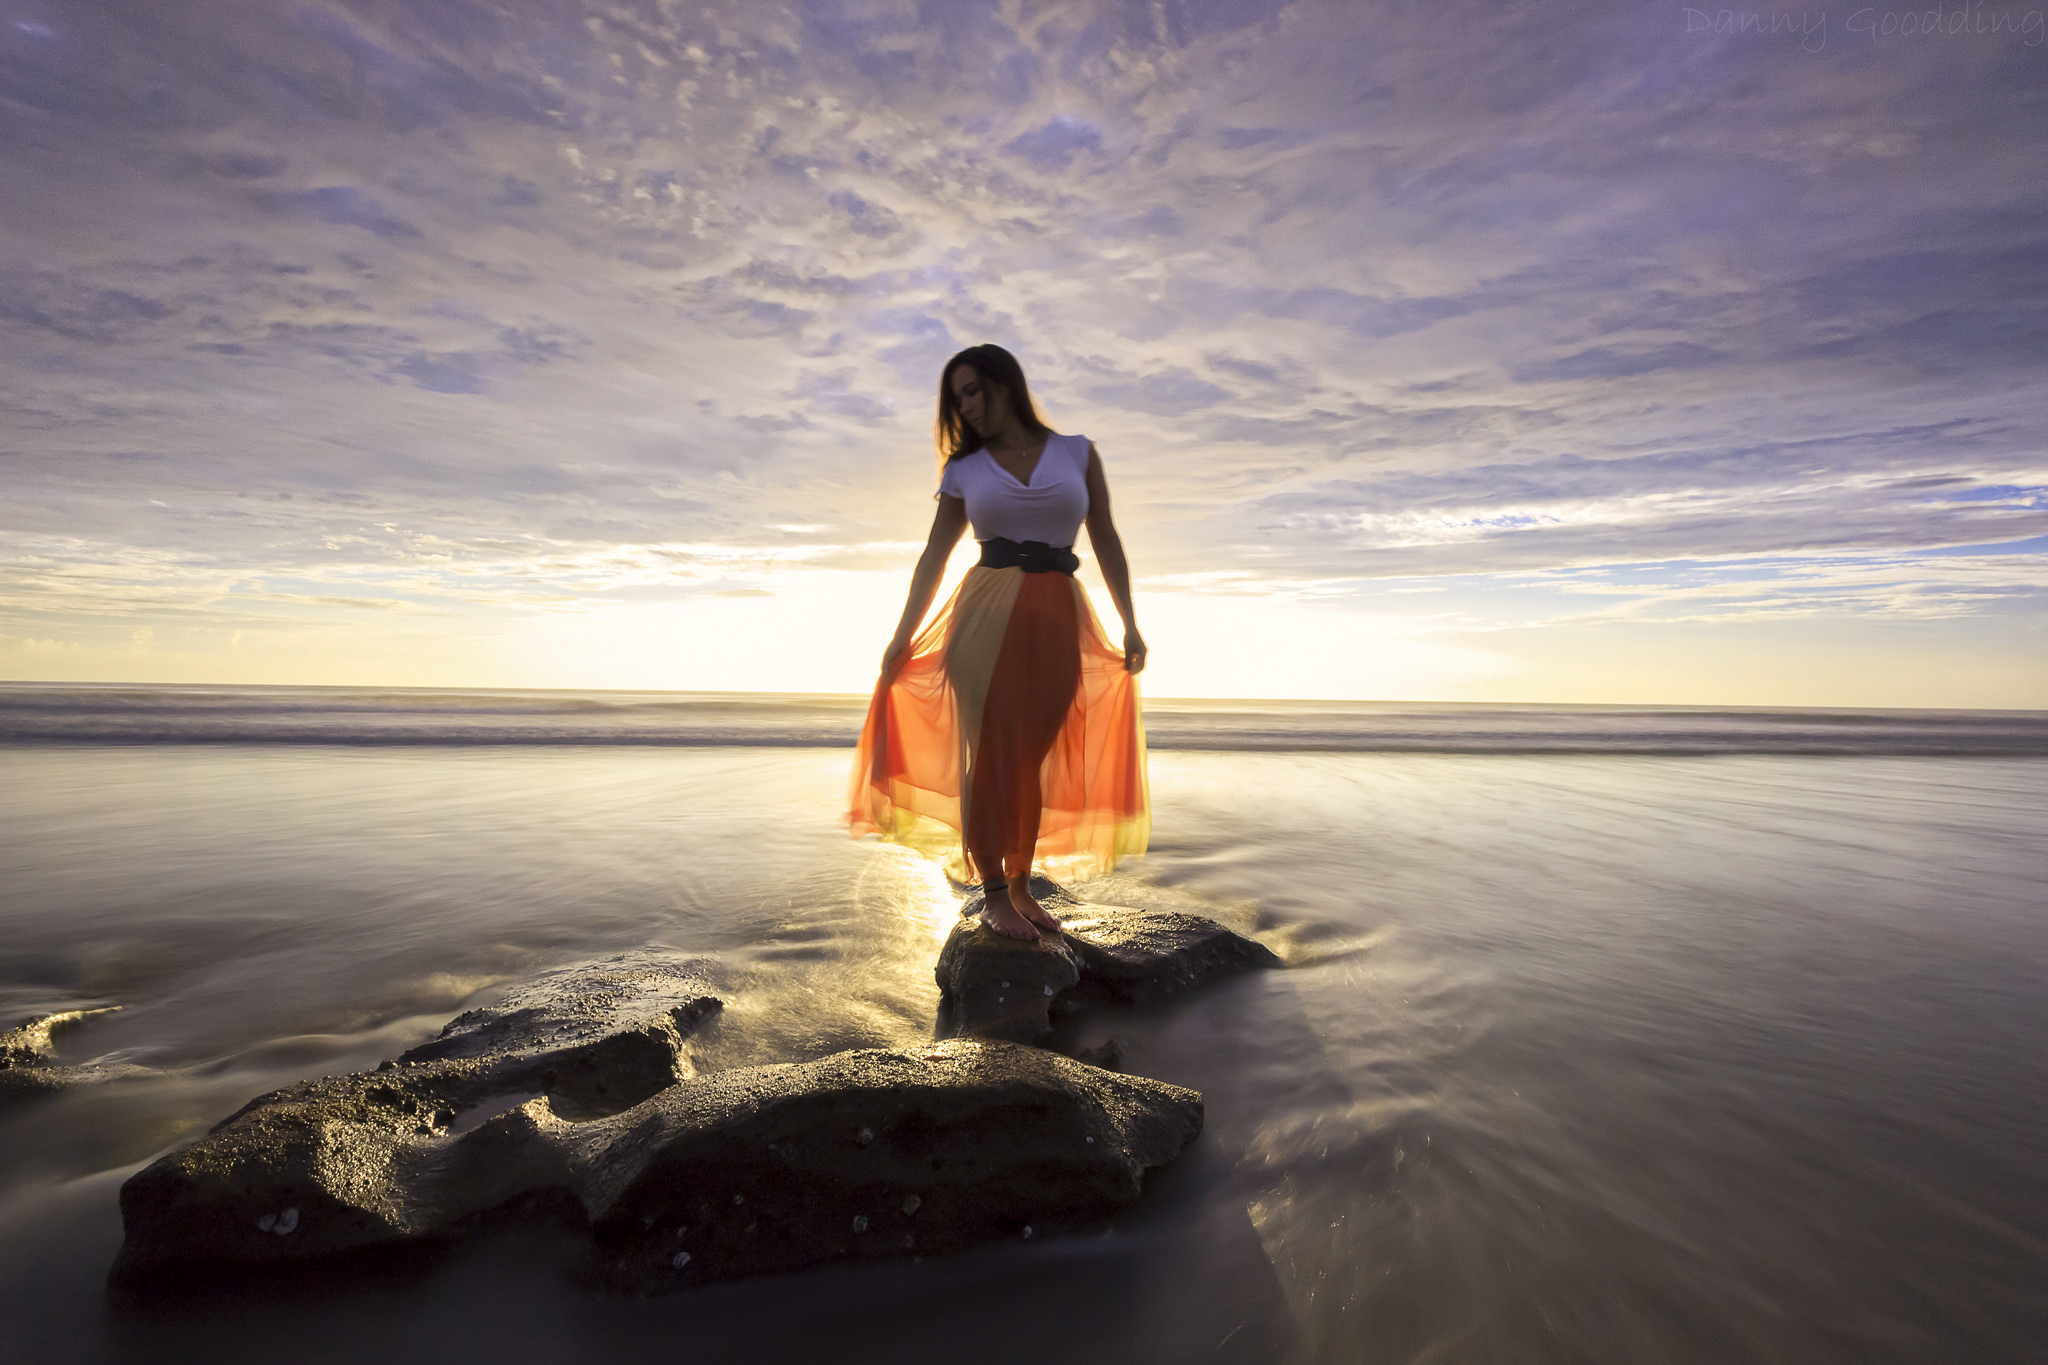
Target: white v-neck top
x=1050, y=508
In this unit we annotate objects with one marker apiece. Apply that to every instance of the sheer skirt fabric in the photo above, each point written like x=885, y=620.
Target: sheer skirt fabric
x=1012, y=713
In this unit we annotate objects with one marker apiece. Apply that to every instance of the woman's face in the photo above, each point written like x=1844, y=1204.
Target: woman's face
x=979, y=402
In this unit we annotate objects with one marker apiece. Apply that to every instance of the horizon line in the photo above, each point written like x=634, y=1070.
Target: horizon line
x=857, y=697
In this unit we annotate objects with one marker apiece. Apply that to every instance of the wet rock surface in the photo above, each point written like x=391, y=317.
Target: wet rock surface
x=993, y=986
x=870, y=1154
x=864, y=1154
x=1145, y=956
x=571, y=1103
x=327, y=1166
x=598, y=1036
x=424, y=1143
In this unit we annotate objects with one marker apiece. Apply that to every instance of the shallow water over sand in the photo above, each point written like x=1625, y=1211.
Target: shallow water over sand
x=1612, y=1057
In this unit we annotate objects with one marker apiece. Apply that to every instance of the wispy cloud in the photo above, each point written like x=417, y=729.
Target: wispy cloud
x=1347, y=295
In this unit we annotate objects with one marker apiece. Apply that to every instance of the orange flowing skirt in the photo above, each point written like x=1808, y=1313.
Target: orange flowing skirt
x=1010, y=735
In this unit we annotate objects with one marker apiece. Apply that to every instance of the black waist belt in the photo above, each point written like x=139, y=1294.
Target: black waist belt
x=1032, y=556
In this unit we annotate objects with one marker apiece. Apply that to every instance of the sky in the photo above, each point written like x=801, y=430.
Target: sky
x=1557, y=352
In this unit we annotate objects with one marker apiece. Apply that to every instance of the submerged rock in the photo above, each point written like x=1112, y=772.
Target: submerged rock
x=414, y=1149
x=994, y=986
x=23, y=1084
x=1107, y=1054
x=28, y=1065
x=34, y=1043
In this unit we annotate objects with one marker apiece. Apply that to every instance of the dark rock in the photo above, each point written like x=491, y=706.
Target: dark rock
x=604, y=1035
x=328, y=1166
x=569, y=1103
x=862, y=1154
x=1107, y=1054
x=1144, y=956
x=869, y=1154
x=413, y=1149
x=994, y=986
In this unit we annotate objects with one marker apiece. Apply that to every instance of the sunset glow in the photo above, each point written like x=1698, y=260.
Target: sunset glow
x=1564, y=353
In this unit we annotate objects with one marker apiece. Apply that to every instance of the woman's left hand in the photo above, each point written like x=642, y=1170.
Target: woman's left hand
x=1134, y=652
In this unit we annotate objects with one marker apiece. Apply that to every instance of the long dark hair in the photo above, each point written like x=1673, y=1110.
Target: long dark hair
x=997, y=367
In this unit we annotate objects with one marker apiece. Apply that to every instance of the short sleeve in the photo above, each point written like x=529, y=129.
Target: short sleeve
x=949, y=480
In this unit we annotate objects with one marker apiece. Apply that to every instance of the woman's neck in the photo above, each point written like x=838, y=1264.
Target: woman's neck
x=1008, y=437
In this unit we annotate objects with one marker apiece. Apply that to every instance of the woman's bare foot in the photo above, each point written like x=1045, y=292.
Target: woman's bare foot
x=1026, y=907
x=998, y=915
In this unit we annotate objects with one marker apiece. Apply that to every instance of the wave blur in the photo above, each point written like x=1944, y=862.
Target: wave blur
x=165, y=714
x=1578, y=1055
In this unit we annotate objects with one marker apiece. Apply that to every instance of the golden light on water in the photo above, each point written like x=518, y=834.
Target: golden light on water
x=929, y=898
x=901, y=886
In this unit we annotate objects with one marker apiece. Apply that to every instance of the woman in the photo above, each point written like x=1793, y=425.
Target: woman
x=1009, y=728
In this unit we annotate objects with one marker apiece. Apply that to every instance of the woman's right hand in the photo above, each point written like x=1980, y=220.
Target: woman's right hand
x=894, y=656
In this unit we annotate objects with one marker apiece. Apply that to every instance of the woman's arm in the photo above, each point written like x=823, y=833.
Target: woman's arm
x=947, y=525
x=1109, y=553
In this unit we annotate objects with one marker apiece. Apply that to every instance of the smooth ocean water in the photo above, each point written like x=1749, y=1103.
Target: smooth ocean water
x=1604, y=1037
